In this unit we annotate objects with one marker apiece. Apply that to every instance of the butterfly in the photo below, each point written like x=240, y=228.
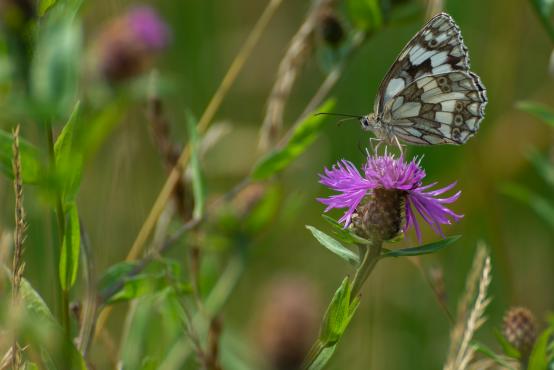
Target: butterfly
x=429, y=96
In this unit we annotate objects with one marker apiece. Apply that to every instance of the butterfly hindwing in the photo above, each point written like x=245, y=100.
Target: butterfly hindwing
x=437, y=48
x=445, y=108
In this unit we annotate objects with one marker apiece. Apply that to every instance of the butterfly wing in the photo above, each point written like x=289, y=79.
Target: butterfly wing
x=437, y=48
x=445, y=108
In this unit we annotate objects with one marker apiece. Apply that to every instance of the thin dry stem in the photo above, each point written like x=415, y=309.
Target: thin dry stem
x=297, y=53
x=433, y=8
x=18, y=264
x=461, y=352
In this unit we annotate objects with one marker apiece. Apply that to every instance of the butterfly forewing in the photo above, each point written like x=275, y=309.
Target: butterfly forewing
x=437, y=48
x=437, y=109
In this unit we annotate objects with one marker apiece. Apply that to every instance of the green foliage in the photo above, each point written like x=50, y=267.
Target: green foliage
x=338, y=314
x=69, y=159
x=540, y=111
x=544, y=168
x=324, y=357
x=303, y=135
x=198, y=183
x=335, y=246
x=127, y=280
x=45, y=335
x=366, y=14
x=56, y=63
x=543, y=8
x=344, y=234
x=69, y=257
x=508, y=349
x=541, y=355
x=422, y=249
x=480, y=347
x=30, y=164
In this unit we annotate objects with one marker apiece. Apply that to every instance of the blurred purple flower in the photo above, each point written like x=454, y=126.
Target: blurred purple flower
x=148, y=27
x=388, y=172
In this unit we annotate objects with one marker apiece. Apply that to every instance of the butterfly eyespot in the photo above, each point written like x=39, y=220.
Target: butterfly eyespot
x=458, y=119
x=433, y=43
x=456, y=132
x=459, y=106
x=446, y=88
x=442, y=81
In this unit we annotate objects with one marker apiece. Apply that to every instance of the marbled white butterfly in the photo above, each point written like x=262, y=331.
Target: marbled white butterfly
x=429, y=96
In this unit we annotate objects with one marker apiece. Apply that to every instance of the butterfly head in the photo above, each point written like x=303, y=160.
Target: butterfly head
x=368, y=122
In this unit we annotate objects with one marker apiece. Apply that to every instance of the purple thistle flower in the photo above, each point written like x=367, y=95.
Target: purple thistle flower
x=148, y=27
x=389, y=173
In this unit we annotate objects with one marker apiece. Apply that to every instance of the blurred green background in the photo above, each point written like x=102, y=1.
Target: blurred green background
x=399, y=324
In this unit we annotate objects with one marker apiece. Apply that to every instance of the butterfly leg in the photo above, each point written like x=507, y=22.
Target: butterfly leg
x=372, y=141
x=400, y=146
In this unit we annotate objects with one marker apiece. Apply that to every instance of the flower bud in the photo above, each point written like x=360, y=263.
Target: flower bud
x=520, y=329
x=288, y=323
x=381, y=216
x=330, y=27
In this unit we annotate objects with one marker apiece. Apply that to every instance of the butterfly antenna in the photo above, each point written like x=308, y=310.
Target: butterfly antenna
x=339, y=115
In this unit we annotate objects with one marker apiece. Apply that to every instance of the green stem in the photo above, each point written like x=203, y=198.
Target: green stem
x=60, y=216
x=370, y=255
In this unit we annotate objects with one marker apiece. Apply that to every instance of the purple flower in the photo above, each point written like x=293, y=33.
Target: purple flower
x=390, y=173
x=148, y=27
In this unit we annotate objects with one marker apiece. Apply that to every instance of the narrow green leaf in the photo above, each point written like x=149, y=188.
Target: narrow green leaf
x=30, y=164
x=507, y=347
x=69, y=158
x=492, y=355
x=539, y=358
x=198, y=183
x=69, y=257
x=540, y=111
x=334, y=246
x=337, y=316
x=44, y=6
x=539, y=204
x=422, y=249
x=544, y=11
x=544, y=167
x=48, y=333
x=100, y=126
x=304, y=134
x=344, y=235
x=323, y=357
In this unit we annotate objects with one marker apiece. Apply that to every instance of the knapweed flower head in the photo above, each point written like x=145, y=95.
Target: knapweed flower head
x=387, y=196
x=127, y=44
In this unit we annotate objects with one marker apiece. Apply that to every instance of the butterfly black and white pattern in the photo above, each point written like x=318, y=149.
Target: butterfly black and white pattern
x=429, y=96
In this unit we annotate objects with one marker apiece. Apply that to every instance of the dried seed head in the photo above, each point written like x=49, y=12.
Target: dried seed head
x=381, y=217
x=520, y=329
x=330, y=27
x=288, y=322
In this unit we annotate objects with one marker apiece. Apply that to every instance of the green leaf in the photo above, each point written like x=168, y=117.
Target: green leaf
x=125, y=281
x=540, y=111
x=303, y=135
x=493, y=356
x=44, y=332
x=69, y=257
x=69, y=158
x=338, y=315
x=544, y=167
x=335, y=246
x=30, y=164
x=544, y=11
x=198, y=183
x=323, y=357
x=422, y=249
x=539, y=204
x=507, y=347
x=344, y=235
x=539, y=358
x=366, y=14
x=55, y=65
x=44, y=6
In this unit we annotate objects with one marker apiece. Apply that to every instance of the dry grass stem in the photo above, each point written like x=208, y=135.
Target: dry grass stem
x=18, y=265
x=470, y=317
x=300, y=48
x=433, y=8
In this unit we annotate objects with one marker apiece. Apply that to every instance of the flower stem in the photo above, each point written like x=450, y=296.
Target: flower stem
x=371, y=253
